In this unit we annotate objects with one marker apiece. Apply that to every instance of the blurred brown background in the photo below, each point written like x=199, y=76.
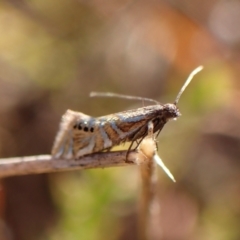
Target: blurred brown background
x=53, y=53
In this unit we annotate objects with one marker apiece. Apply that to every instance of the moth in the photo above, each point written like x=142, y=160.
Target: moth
x=80, y=134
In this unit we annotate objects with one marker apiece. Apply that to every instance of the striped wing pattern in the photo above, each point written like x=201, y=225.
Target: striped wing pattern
x=81, y=134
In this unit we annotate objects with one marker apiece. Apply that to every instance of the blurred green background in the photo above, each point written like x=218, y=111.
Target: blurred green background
x=53, y=53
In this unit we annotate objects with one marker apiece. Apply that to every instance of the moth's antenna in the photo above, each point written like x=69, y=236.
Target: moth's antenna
x=192, y=74
x=109, y=94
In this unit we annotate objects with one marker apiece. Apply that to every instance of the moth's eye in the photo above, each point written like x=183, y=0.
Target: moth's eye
x=91, y=129
x=85, y=129
x=79, y=127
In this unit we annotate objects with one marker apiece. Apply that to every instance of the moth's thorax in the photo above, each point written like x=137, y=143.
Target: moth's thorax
x=171, y=111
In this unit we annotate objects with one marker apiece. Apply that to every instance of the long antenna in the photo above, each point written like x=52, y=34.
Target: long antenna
x=192, y=74
x=109, y=94
x=116, y=95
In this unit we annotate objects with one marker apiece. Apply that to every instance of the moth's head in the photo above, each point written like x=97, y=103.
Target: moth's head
x=171, y=111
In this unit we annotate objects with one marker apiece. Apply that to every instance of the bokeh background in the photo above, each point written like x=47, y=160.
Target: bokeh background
x=53, y=53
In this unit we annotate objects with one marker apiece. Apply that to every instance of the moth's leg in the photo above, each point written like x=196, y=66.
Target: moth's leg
x=158, y=134
x=130, y=147
x=150, y=129
x=148, y=132
x=107, y=149
x=128, y=151
x=138, y=142
x=159, y=131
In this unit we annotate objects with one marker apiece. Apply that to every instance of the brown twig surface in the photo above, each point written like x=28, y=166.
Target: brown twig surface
x=46, y=164
x=147, y=151
x=148, y=177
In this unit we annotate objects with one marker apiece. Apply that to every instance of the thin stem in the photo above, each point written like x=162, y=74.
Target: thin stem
x=46, y=164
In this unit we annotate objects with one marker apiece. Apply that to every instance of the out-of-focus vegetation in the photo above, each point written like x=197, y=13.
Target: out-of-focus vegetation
x=53, y=53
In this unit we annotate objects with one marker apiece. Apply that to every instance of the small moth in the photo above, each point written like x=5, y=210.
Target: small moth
x=81, y=134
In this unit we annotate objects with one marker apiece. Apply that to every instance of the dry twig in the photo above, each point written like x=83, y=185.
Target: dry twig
x=46, y=164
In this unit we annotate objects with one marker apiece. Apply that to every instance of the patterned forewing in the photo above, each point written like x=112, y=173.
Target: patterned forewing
x=81, y=134
x=129, y=125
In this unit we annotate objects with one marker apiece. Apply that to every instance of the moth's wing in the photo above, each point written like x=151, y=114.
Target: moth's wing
x=64, y=144
x=84, y=138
